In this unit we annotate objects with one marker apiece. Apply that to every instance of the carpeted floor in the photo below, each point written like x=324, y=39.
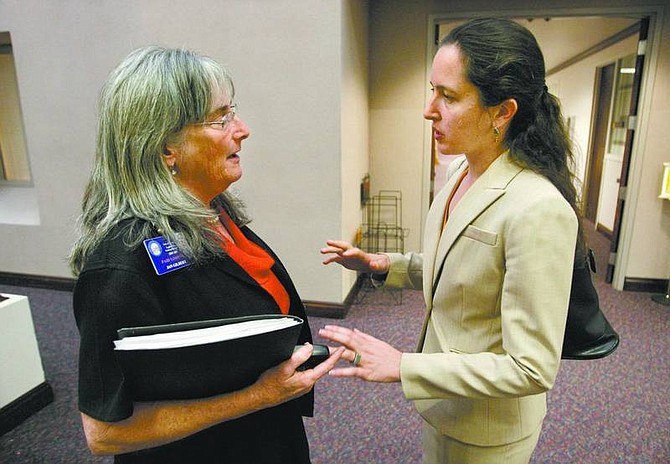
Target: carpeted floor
x=614, y=410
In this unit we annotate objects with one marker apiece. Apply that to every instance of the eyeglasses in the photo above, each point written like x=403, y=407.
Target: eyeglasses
x=225, y=119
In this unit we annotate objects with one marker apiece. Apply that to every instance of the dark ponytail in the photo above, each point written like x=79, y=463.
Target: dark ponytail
x=503, y=60
x=543, y=145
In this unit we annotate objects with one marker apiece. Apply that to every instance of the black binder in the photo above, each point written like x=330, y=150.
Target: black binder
x=200, y=371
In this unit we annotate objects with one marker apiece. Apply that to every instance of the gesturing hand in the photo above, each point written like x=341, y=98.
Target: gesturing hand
x=354, y=258
x=377, y=361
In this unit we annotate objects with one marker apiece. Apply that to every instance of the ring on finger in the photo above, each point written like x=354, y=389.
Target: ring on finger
x=357, y=358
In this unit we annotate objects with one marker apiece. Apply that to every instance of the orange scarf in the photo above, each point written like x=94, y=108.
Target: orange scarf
x=255, y=261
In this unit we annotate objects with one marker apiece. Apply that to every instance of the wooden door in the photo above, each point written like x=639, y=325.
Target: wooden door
x=604, y=86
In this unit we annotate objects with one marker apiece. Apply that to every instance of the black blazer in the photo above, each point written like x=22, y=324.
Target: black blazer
x=118, y=287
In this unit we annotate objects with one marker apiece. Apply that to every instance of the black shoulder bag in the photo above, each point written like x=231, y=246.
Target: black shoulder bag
x=588, y=334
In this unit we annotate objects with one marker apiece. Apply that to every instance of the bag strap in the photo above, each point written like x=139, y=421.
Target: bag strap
x=591, y=258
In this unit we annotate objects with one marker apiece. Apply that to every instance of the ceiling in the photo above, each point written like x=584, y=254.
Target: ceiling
x=566, y=37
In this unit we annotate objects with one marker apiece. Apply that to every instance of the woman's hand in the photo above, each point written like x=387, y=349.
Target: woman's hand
x=284, y=382
x=374, y=359
x=354, y=258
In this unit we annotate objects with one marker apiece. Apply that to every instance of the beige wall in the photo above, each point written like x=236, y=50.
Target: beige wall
x=354, y=120
x=397, y=87
x=649, y=242
x=285, y=57
x=399, y=140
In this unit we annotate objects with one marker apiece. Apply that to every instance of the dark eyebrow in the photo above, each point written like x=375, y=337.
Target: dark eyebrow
x=442, y=88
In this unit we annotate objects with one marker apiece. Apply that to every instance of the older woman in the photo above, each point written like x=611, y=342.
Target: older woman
x=167, y=150
x=498, y=255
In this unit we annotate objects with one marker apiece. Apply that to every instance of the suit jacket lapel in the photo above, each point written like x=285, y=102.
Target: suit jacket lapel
x=432, y=233
x=486, y=190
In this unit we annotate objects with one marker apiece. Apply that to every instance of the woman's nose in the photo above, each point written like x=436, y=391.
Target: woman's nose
x=430, y=111
x=241, y=129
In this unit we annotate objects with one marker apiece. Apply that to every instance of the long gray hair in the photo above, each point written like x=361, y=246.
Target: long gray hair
x=144, y=103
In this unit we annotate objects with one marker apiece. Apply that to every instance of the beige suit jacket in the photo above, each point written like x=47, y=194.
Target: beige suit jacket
x=491, y=340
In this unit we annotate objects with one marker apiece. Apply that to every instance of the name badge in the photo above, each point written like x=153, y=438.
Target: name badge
x=165, y=257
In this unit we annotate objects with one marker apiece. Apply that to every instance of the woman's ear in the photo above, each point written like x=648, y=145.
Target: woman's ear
x=169, y=149
x=504, y=112
x=170, y=154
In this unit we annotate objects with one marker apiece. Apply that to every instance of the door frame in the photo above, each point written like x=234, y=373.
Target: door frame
x=655, y=14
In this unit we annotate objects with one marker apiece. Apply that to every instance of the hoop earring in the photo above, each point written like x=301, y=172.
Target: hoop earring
x=496, y=134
